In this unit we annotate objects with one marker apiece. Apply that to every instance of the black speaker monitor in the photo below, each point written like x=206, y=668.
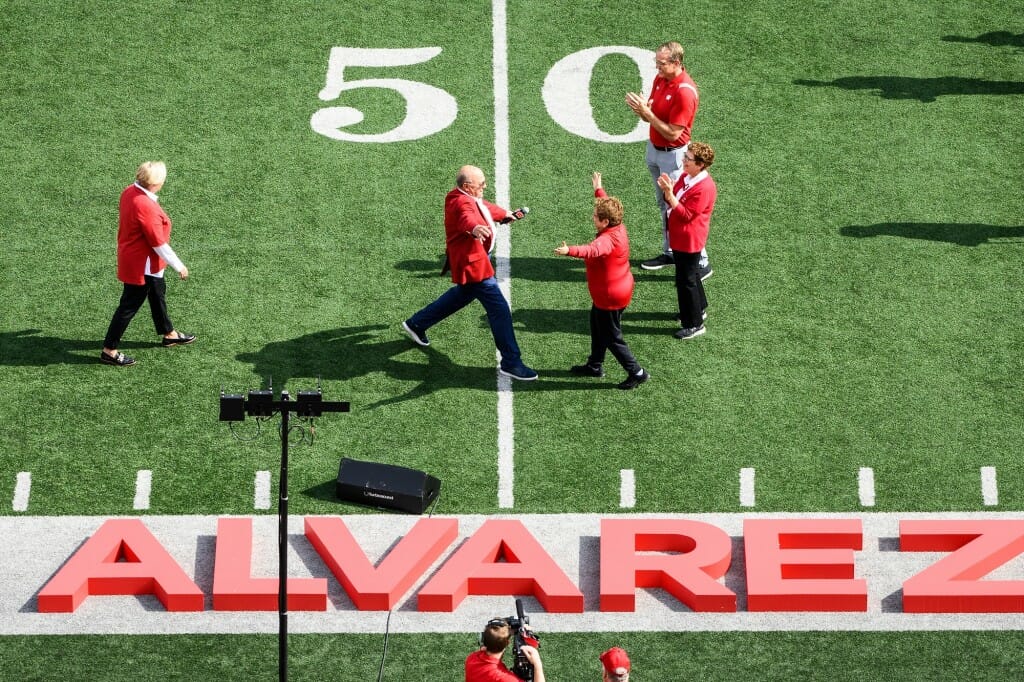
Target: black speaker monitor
x=386, y=486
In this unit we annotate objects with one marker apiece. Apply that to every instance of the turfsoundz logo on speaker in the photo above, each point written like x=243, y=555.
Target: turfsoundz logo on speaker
x=370, y=493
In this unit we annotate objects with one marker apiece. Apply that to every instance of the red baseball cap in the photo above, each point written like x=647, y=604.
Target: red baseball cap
x=615, y=661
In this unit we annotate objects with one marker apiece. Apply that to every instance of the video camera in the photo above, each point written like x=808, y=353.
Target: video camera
x=521, y=667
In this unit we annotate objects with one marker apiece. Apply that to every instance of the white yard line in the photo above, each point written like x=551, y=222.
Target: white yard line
x=989, y=487
x=143, y=487
x=747, y=487
x=261, y=496
x=866, y=486
x=22, y=489
x=627, y=489
x=503, y=248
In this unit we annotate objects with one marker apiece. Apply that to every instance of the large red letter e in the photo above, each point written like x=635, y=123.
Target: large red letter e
x=803, y=565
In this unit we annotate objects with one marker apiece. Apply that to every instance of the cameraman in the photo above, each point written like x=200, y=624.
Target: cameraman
x=485, y=665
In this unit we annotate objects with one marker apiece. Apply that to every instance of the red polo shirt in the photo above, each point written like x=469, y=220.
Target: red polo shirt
x=675, y=102
x=482, y=667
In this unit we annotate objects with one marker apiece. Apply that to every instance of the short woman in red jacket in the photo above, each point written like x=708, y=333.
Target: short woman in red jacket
x=691, y=200
x=610, y=282
x=143, y=251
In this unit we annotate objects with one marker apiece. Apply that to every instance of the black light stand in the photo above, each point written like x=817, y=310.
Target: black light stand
x=310, y=404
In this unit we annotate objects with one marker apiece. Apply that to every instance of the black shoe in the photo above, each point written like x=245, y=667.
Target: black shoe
x=178, y=340
x=520, y=373
x=690, y=332
x=658, y=263
x=418, y=337
x=117, y=359
x=705, y=271
x=634, y=380
x=587, y=370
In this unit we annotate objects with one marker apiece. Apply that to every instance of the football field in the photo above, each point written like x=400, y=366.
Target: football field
x=863, y=355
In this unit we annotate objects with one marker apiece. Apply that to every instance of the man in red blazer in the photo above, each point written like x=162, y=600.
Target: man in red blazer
x=691, y=199
x=469, y=224
x=143, y=251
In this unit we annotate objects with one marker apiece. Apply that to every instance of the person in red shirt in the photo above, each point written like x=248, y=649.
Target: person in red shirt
x=691, y=199
x=485, y=665
x=611, y=288
x=469, y=225
x=670, y=110
x=143, y=251
x=615, y=664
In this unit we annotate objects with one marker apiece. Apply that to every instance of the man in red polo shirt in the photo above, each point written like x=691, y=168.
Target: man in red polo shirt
x=670, y=111
x=484, y=664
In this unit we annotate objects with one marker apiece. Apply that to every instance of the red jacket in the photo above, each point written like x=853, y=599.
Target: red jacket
x=142, y=226
x=689, y=221
x=480, y=667
x=606, y=259
x=467, y=256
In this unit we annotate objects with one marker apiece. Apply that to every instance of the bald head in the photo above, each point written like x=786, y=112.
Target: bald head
x=471, y=180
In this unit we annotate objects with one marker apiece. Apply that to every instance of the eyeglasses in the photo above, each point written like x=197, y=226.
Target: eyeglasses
x=687, y=157
x=662, y=62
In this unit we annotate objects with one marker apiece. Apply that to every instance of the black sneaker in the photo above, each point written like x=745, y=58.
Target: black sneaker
x=634, y=380
x=519, y=373
x=587, y=370
x=418, y=337
x=705, y=271
x=658, y=263
x=690, y=332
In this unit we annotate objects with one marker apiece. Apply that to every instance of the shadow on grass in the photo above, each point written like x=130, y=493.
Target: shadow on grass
x=26, y=348
x=992, y=38
x=921, y=89
x=964, y=234
x=535, y=269
x=577, y=321
x=351, y=352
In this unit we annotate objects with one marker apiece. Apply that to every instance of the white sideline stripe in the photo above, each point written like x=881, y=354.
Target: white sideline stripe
x=989, y=488
x=143, y=486
x=747, y=487
x=261, y=498
x=866, y=486
x=627, y=489
x=22, y=488
x=502, y=248
x=37, y=546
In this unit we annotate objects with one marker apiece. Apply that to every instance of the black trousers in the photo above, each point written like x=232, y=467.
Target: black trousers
x=689, y=288
x=155, y=290
x=606, y=335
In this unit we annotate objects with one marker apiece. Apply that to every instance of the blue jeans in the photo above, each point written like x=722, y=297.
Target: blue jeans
x=499, y=316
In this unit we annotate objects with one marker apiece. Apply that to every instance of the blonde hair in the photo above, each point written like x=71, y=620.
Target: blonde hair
x=674, y=49
x=151, y=173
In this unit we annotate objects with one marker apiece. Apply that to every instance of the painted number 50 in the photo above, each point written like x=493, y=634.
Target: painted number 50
x=429, y=110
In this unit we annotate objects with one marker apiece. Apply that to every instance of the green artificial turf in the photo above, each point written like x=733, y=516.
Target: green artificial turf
x=864, y=312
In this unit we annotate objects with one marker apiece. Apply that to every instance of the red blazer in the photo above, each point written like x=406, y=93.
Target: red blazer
x=689, y=221
x=606, y=259
x=467, y=257
x=142, y=226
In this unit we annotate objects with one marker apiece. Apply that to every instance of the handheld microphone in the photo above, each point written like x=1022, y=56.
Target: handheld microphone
x=517, y=214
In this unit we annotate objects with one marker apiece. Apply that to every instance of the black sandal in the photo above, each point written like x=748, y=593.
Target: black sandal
x=118, y=359
x=178, y=339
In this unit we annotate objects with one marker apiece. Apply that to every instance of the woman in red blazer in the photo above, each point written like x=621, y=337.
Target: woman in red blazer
x=143, y=252
x=610, y=282
x=691, y=200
